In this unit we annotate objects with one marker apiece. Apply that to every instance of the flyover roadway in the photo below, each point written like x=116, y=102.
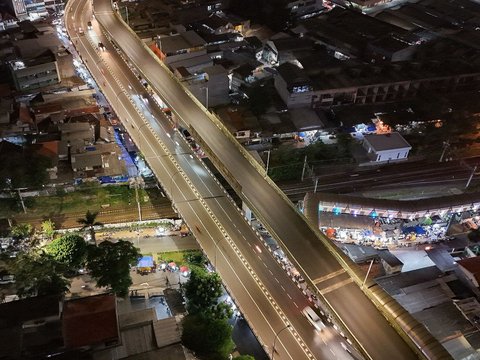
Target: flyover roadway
x=267, y=297
x=312, y=255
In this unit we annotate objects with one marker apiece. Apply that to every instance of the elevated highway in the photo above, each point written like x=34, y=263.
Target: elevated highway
x=374, y=321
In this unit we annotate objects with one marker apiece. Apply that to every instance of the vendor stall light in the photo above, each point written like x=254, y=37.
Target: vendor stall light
x=354, y=212
x=373, y=214
x=336, y=210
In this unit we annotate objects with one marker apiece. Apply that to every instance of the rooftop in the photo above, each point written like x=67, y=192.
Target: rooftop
x=182, y=41
x=472, y=265
x=90, y=320
x=383, y=142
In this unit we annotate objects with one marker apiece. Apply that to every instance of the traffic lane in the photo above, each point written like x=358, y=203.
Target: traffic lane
x=368, y=324
x=175, y=143
x=277, y=282
x=204, y=181
x=332, y=269
x=255, y=306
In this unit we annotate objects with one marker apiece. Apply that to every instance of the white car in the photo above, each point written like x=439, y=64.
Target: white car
x=313, y=318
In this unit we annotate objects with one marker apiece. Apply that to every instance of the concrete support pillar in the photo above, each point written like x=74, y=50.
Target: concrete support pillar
x=247, y=212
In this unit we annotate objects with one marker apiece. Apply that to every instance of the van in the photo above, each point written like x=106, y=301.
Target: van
x=313, y=318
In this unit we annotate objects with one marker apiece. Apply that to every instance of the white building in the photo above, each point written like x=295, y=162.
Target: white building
x=386, y=147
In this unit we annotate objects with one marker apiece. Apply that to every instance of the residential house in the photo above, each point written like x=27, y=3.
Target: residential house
x=242, y=76
x=471, y=269
x=386, y=147
x=277, y=51
x=390, y=262
x=35, y=72
x=180, y=46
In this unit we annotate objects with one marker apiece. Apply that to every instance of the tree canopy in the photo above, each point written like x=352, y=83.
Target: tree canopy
x=21, y=231
x=38, y=274
x=23, y=168
x=48, y=228
x=68, y=250
x=202, y=292
x=89, y=222
x=109, y=264
x=210, y=338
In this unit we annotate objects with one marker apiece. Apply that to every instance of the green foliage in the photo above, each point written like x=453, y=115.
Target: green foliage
x=89, y=222
x=23, y=169
x=210, y=338
x=202, y=291
x=21, y=231
x=109, y=264
x=286, y=162
x=195, y=258
x=68, y=250
x=38, y=274
x=48, y=228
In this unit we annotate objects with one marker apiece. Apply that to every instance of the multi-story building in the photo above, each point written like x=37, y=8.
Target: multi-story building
x=369, y=84
x=36, y=8
x=19, y=9
x=35, y=72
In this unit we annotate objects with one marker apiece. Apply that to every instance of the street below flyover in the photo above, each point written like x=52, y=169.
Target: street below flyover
x=253, y=278
x=312, y=255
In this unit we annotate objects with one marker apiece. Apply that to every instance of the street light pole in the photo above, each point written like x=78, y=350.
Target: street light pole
x=276, y=337
x=268, y=161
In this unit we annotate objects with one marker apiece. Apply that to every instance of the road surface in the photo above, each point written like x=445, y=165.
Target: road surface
x=254, y=278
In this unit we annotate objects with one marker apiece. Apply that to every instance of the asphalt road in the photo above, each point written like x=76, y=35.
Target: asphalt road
x=253, y=289
x=258, y=284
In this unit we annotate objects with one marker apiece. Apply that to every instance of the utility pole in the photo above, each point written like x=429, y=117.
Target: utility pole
x=21, y=201
x=368, y=272
x=268, y=162
x=471, y=176
x=446, y=145
x=304, y=167
x=316, y=185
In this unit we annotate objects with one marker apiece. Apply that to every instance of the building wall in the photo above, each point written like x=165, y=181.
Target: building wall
x=377, y=93
x=292, y=100
x=36, y=76
x=392, y=155
x=385, y=155
x=469, y=276
x=217, y=90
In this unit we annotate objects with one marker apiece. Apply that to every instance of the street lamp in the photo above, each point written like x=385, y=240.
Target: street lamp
x=276, y=337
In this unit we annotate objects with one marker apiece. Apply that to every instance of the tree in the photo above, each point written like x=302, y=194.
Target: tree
x=109, y=264
x=21, y=231
x=202, y=292
x=48, y=229
x=89, y=222
x=209, y=337
x=69, y=250
x=38, y=274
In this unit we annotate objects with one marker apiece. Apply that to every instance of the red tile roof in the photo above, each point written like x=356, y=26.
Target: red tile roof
x=90, y=321
x=472, y=265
